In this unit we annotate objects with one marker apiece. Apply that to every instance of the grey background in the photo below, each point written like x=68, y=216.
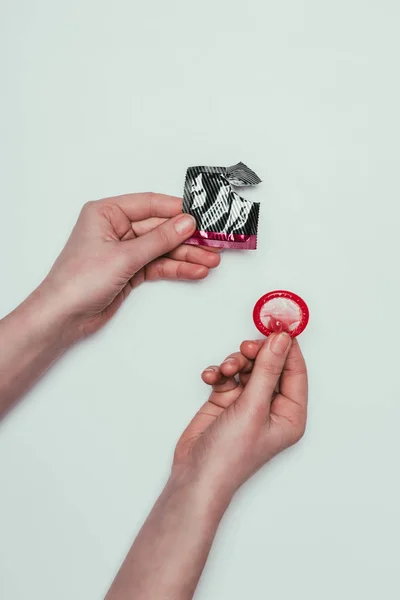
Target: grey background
x=100, y=98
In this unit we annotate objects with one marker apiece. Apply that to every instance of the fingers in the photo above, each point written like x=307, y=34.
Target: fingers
x=212, y=375
x=166, y=268
x=219, y=382
x=143, y=206
x=292, y=401
x=211, y=249
x=142, y=227
x=196, y=255
x=267, y=370
x=193, y=254
x=161, y=240
x=250, y=348
x=234, y=364
x=244, y=378
x=223, y=378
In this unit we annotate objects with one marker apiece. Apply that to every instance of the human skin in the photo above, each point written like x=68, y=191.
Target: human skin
x=244, y=424
x=116, y=244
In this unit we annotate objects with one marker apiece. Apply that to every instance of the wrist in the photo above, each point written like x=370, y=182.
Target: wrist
x=44, y=315
x=201, y=491
x=33, y=336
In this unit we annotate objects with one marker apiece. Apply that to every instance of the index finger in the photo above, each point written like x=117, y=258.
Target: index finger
x=236, y=363
x=143, y=206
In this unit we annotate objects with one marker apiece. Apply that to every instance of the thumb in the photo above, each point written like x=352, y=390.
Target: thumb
x=159, y=241
x=266, y=373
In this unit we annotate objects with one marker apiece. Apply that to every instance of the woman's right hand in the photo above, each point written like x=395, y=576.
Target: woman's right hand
x=258, y=407
x=244, y=423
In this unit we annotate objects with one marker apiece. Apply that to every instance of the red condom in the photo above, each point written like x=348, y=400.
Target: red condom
x=281, y=311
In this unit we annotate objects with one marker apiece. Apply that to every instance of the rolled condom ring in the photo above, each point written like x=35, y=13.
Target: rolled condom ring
x=223, y=218
x=281, y=311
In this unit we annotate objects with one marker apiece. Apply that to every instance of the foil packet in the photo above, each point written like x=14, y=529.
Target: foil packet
x=223, y=218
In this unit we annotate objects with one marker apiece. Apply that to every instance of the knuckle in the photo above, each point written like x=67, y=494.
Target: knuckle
x=88, y=206
x=179, y=271
x=160, y=270
x=270, y=368
x=151, y=199
x=163, y=237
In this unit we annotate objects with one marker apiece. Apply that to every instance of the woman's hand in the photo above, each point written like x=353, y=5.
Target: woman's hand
x=245, y=422
x=258, y=407
x=116, y=244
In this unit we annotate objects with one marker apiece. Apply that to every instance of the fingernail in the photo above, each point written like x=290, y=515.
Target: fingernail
x=209, y=369
x=254, y=343
x=228, y=360
x=185, y=224
x=279, y=343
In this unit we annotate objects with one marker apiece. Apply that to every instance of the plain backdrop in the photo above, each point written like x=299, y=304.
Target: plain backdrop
x=100, y=98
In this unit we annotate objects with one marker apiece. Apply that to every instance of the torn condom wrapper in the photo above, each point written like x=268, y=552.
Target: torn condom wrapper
x=223, y=218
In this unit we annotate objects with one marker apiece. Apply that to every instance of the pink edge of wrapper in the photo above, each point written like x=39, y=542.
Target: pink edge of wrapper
x=212, y=239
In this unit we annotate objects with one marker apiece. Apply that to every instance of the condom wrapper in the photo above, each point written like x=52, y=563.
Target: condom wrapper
x=223, y=218
x=280, y=311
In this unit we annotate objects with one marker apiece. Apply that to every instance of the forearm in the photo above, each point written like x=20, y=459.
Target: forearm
x=169, y=553
x=32, y=337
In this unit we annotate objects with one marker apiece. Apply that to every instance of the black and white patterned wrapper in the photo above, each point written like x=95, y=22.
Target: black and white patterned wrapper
x=223, y=218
